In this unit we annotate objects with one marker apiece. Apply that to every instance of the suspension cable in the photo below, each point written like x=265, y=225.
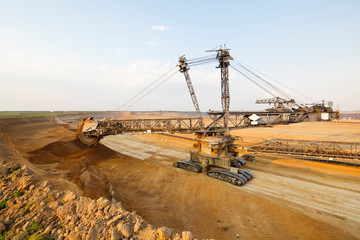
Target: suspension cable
x=148, y=89
x=276, y=89
x=280, y=92
x=144, y=89
x=297, y=92
x=201, y=58
x=275, y=80
x=151, y=90
x=206, y=60
x=201, y=63
x=253, y=81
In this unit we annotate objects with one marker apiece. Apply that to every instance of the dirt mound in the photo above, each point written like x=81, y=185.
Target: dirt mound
x=56, y=152
x=63, y=151
x=52, y=152
x=75, y=161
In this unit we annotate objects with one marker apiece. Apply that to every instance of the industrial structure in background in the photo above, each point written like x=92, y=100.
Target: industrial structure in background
x=280, y=104
x=214, y=146
x=328, y=151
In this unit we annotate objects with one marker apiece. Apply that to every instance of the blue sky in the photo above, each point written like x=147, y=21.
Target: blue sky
x=95, y=55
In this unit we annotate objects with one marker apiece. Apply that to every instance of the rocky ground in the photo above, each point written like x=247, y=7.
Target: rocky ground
x=31, y=208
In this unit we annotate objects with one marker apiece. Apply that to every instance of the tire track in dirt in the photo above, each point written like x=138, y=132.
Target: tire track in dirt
x=343, y=204
x=128, y=145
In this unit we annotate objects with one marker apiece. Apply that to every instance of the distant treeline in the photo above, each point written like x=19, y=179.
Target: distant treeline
x=17, y=114
x=13, y=114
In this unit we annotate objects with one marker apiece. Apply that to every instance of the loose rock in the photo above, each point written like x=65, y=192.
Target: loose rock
x=44, y=211
x=187, y=235
x=164, y=233
x=124, y=229
x=2, y=227
x=69, y=196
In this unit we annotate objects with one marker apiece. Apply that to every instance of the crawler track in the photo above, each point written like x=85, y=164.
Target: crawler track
x=248, y=175
x=227, y=176
x=190, y=166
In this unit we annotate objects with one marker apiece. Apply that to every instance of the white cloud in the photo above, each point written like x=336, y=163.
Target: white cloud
x=122, y=50
x=104, y=68
x=58, y=86
x=28, y=83
x=160, y=28
x=152, y=43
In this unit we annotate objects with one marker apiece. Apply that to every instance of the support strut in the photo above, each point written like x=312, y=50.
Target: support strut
x=223, y=56
x=183, y=68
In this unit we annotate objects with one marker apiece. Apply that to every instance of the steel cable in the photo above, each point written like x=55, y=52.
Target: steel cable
x=201, y=58
x=144, y=89
x=201, y=61
x=295, y=91
x=151, y=90
x=253, y=81
x=276, y=89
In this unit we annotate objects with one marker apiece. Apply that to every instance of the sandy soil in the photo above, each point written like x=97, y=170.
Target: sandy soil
x=52, y=151
x=287, y=199
x=320, y=167
x=290, y=189
x=340, y=131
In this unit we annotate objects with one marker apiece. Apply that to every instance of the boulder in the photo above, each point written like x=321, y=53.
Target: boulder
x=61, y=212
x=186, y=235
x=125, y=229
x=2, y=227
x=103, y=202
x=115, y=235
x=69, y=196
x=113, y=221
x=137, y=226
x=26, y=226
x=21, y=236
x=47, y=230
x=164, y=233
x=93, y=233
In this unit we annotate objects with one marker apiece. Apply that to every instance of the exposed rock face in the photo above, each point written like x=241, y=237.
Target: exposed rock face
x=31, y=207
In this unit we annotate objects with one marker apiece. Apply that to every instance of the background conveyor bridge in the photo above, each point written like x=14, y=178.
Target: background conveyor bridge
x=310, y=149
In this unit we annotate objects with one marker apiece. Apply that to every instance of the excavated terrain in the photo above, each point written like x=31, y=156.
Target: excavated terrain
x=32, y=209
x=287, y=199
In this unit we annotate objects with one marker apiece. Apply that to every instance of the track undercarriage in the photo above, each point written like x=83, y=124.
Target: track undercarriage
x=190, y=166
x=217, y=150
x=239, y=178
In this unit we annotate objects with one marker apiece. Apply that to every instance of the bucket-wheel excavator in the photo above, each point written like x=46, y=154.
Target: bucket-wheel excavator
x=214, y=151
x=214, y=147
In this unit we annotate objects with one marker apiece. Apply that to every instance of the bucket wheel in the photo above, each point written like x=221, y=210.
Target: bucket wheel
x=90, y=141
